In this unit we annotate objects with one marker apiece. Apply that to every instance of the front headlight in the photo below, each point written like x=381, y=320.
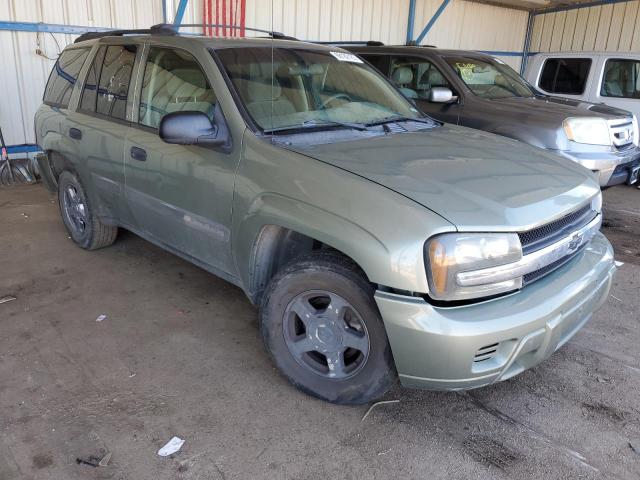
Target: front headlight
x=589, y=130
x=636, y=139
x=451, y=253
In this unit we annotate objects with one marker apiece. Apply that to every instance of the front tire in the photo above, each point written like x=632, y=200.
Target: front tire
x=84, y=227
x=323, y=329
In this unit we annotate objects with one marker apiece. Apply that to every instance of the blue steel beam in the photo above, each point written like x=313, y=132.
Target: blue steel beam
x=49, y=27
x=411, y=20
x=182, y=6
x=432, y=21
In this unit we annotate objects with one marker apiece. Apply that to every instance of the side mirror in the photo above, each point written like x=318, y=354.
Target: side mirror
x=192, y=128
x=441, y=95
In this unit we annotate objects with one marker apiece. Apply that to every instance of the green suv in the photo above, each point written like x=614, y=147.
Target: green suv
x=378, y=243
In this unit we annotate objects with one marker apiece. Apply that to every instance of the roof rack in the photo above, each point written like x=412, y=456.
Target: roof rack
x=368, y=43
x=160, y=29
x=170, y=29
x=270, y=33
x=413, y=43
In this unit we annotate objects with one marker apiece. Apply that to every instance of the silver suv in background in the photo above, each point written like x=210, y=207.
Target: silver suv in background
x=478, y=91
x=609, y=78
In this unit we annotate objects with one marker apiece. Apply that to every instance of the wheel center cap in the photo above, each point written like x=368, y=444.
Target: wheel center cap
x=329, y=335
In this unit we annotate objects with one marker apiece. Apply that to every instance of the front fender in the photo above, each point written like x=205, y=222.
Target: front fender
x=381, y=230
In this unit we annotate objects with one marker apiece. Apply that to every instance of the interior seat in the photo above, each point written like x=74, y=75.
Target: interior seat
x=266, y=98
x=402, y=77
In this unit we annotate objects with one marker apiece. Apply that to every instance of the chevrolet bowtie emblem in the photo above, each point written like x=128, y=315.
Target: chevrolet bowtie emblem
x=575, y=242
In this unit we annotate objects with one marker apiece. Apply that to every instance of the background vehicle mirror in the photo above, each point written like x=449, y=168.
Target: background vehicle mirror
x=191, y=128
x=441, y=95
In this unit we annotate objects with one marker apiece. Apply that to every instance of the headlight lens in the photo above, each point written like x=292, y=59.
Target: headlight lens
x=589, y=130
x=636, y=140
x=451, y=253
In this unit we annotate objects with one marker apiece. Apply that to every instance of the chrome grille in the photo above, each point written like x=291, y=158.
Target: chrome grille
x=621, y=133
x=537, y=274
x=545, y=235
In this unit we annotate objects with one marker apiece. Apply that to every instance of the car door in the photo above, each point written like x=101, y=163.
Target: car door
x=180, y=195
x=618, y=83
x=99, y=125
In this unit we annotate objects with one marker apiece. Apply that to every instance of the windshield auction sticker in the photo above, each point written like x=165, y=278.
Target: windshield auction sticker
x=346, y=57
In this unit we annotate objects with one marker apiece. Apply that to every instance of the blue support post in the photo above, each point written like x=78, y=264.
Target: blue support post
x=411, y=20
x=182, y=6
x=164, y=11
x=432, y=21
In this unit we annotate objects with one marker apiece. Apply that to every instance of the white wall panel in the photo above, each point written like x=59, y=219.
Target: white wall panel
x=611, y=27
x=473, y=26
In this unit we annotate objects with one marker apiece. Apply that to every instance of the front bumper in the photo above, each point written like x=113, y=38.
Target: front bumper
x=611, y=168
x=451, y=348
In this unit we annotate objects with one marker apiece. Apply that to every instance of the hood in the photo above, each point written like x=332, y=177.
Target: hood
x=476, y=180
x=558, y=108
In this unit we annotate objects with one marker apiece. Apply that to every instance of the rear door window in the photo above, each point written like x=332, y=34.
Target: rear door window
x=115, y=77
x=565, y=75
x=621, y=79
x=173, y=82
x=64, y=76
x=107, y=84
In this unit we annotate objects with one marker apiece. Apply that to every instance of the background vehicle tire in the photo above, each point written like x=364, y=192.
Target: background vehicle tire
x=324, y=332
x=79, y=218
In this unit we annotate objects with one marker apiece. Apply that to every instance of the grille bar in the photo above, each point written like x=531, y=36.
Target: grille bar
x=550, y=233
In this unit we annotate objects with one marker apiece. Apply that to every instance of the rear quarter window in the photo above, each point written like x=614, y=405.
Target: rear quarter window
x=565, y=75
x=64, y=76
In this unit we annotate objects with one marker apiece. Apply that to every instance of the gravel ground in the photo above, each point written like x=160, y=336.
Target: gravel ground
x=179, y=353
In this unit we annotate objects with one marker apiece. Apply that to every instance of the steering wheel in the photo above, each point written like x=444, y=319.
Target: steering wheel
x=334, y=97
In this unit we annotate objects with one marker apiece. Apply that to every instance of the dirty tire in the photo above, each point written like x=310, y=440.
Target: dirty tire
x=78, y=217
x=331, y=272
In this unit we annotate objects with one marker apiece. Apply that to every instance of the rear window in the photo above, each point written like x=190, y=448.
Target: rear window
x=64, y=76
x=565, y=75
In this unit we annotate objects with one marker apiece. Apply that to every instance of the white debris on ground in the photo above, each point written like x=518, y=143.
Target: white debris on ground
x=171, y=447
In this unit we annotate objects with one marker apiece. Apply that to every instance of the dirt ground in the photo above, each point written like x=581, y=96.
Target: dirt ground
x=179, y=353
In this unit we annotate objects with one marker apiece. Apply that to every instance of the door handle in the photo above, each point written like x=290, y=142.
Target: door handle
x=138, y=154
x=75, y=133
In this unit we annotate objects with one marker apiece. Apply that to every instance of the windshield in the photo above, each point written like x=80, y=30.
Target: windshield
x=298, y=88
x=489, y=78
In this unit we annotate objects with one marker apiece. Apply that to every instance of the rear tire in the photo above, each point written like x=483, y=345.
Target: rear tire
x=84, y=227
x=324, y=332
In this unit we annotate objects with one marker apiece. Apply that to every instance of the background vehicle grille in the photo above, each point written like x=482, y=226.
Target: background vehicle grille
x=622, y=133
x=545, y=235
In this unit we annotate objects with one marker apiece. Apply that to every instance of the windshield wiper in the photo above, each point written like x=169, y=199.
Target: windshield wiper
x=310, y=124
x=402, y=118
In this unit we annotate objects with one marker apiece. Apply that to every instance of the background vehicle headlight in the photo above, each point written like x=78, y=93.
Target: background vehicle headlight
x=636, y=133
x=589, y=130
x=448, y=254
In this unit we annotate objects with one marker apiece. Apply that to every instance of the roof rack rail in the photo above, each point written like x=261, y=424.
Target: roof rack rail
x=368, y=43
x=160, y=29
x=270, y=33
x=413, y=43
x=170, y=29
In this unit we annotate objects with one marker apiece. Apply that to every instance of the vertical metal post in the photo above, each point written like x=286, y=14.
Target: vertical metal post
x=182, y=6
x=164, y=11
x=527, y=43
x=410, y=21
